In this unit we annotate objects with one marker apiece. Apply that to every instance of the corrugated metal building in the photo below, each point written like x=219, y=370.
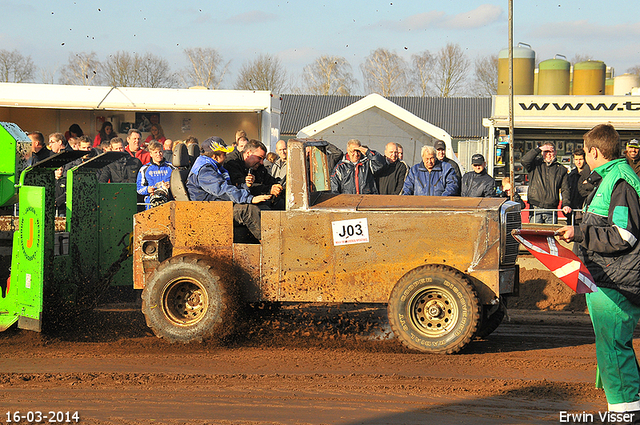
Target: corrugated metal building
x=461, y=117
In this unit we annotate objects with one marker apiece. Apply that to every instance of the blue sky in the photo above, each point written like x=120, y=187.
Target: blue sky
x=300, y=31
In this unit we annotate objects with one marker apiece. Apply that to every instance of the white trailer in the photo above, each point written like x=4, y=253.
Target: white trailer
x=560, y=119
x=202, y=113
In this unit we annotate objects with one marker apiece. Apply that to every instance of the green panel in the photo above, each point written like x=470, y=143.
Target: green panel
x=69, y=201
x=82, y=224
x=117, y=205
x=621, y=216
x=318, y=177
x=24, y=294
x=589, y=65
x=9, y=133
x=554, y=64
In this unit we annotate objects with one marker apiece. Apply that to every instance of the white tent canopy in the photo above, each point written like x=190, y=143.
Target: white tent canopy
x=197, y=112
x=23, y=95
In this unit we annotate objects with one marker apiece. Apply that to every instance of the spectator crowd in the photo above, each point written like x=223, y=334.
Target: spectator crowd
x=253, y=178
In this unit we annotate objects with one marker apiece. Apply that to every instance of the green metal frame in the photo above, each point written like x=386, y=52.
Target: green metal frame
x=10, y=135
x=47, y=279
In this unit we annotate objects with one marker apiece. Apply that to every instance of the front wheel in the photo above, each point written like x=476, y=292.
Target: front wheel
x=187, y=299
x=434, y=309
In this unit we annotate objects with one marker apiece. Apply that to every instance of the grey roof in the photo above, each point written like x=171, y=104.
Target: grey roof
x=461, y=117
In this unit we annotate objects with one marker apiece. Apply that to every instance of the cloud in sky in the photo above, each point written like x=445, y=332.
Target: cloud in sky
x=252, y=17
x=421, y=20
x=203, y=18
x=482, y=15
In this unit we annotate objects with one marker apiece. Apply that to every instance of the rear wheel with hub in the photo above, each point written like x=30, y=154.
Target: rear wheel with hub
x=187, y=299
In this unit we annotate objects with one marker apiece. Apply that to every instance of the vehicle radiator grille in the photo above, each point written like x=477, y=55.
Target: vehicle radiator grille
x=512, y=220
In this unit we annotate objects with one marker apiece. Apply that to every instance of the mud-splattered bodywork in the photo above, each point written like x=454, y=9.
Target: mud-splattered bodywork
x=302, y=256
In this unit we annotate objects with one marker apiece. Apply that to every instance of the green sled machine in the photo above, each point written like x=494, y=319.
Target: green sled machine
x=60, y=266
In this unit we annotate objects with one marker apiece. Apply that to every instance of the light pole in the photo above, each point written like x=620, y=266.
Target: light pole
x=511, y=168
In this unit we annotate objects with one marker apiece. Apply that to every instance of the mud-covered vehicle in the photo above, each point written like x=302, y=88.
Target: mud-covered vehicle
x=442, y=265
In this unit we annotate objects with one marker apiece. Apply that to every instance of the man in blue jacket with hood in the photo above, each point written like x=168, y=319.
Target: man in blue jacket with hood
x=209, y=181
x=431, y=177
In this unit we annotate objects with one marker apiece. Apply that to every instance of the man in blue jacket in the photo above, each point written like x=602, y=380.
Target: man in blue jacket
x=209, y=181
x=154, y=176
x=431, y=177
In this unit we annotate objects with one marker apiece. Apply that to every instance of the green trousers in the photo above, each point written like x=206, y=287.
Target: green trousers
x=614, y=318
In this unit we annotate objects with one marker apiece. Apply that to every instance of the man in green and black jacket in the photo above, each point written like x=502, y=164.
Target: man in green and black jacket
x=607, y=242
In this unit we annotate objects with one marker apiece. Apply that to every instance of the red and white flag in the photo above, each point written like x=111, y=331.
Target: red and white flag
x=561, y=261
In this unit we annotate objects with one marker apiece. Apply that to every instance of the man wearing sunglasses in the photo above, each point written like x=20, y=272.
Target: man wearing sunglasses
x=246, y=170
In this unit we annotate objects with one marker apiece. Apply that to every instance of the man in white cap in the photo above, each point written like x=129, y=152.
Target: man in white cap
x=209, y=181
x=632, y=154
x=478, y=183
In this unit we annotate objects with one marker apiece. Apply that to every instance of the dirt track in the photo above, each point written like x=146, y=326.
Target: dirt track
x=310, y=367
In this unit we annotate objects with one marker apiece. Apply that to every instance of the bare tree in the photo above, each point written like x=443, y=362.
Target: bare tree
x=121, y=70
x=386, y=73
x=422, y=72
x=81, y=69
x=581, y=57
x=634, y=70
x=207, y=68
x=486, y=76
x=15, y=68
x=124, y=69
x=264, y=73
x=329, y=75
x=451, y=68
x=155, y=72
x=295, y=85
x=48, y=76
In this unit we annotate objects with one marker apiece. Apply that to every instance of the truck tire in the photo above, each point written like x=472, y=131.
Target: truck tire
x=434, y=309
x=490, y=322
x=187, y=299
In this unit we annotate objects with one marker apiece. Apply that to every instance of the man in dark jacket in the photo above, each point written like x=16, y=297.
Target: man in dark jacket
x=57, y=143
x=632, y=153
x=441, y=155
x=246, y=170
x=478, y=183
x=390, y=178
x=354, y=174
x=547, y=179
x=579, y=185
x=607, y=243
x=209, y=181
x=124, y=170
x=39, y=151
